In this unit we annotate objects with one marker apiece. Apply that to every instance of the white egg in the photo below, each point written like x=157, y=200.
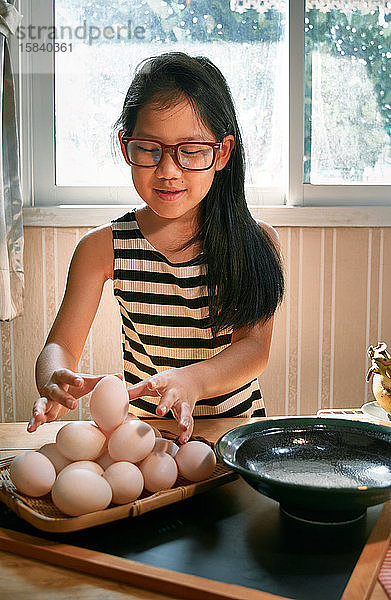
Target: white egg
x=32, y=473
x=159, y=471
x=52, y=452
x=80, y=440
x=107, y=433
x=126, y=481
x=81, y=491
x=196, y=461
x=132, y=441
x=104, y=460
x=84, y=464
x=109, y=403
x=163, y=445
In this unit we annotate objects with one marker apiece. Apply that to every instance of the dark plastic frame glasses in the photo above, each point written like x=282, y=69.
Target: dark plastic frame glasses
x=174, y=148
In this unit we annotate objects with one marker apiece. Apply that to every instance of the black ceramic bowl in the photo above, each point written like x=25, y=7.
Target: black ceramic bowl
x=319, y=469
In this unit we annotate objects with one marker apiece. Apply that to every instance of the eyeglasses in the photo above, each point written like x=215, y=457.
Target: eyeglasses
x=193, y=156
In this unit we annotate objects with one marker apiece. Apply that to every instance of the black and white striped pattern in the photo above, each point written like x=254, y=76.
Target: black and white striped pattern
x=164, y=309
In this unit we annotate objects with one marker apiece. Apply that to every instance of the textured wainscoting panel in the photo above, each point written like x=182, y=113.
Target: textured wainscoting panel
x=28, y=329
x=335, y=306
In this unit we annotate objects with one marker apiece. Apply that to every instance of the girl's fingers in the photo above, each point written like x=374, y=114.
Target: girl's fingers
x=167, y=401
x=67, y=376
x=183, y=415
x=56, y=394
x=187, y=422
x=40, y=407
x=62, y=411
x=54, y=413
x=95, y=378
x=88, y=382
x=148, y=387
x=35, y=421
x=57, y=401
x=32, y=426
x=185, y=436
x=45, y=411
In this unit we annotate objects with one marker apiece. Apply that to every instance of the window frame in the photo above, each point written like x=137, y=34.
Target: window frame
x=34, y=79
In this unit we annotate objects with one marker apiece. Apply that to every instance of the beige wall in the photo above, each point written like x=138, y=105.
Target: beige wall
x=335, y=306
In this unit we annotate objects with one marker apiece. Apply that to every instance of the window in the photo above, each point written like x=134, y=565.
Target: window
x=348, y=96
x=347, y=101
x=311, y=83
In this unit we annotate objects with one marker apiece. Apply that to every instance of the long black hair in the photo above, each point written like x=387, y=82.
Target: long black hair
x=243, y=271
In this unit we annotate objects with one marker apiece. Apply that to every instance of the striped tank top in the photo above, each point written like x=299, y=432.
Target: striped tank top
x=164, y=309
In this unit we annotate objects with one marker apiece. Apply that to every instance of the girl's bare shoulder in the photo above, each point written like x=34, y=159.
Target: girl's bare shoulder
x=272, y=233
x=96, y=247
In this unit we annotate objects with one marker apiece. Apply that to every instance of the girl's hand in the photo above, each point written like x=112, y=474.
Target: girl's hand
x=60, y=395
x=178, y=393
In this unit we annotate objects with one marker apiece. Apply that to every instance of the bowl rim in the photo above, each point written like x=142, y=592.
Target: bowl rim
x=274, y=421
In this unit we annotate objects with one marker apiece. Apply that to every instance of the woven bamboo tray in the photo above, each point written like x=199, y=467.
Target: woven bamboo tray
x=43, y=514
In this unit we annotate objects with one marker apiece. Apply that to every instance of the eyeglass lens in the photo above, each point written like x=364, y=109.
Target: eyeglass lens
x=190, y=156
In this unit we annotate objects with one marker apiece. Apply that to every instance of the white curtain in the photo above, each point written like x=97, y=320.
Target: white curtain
x=11, y=226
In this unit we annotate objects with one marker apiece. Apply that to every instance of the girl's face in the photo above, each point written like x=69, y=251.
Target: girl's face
x=178, y=123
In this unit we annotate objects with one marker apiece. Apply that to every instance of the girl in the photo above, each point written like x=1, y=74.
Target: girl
x=196, y=278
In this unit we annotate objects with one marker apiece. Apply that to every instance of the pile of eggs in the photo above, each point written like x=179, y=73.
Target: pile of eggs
x=112, y=459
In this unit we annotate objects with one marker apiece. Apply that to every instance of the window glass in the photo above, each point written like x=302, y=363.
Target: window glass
x=347, y=92
x=105, y=42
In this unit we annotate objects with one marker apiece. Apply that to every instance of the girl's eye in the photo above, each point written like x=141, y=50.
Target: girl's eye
x=195, y=150
x=148, y=150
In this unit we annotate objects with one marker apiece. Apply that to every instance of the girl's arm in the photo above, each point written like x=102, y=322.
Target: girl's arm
x=58, y=383
x=241, y=362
